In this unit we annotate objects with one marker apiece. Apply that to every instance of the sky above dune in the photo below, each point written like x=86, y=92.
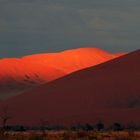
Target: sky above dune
x=38, y=26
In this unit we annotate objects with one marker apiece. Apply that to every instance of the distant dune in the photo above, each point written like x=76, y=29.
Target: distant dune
x=18, y=75
x=109, y=92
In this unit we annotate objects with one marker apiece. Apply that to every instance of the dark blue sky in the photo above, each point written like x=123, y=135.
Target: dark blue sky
x=38, y=26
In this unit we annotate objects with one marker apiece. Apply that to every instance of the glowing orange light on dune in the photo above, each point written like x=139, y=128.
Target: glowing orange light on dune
x=53, y=65
x=40, y=68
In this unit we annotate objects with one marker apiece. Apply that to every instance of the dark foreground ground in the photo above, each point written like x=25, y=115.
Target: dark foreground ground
x=71, y=135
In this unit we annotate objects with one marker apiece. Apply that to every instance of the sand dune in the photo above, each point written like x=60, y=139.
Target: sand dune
x=109, y=92
x=18, y=75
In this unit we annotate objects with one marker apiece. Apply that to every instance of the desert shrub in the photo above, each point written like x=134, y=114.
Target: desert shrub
x=117, y=127
x=88, y=127
x=100, y=126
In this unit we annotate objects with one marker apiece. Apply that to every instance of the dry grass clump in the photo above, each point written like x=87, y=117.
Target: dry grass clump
x=71, y=135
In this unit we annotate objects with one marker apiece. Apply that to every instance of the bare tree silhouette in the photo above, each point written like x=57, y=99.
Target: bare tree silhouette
x=5, y=116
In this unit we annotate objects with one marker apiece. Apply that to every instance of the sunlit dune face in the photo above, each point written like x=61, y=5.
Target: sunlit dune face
x=72, y=60
x=33, y=70
x=53, y=65
x=20, y=68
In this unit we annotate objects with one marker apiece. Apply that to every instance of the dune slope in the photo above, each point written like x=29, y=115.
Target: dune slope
x=108, y=92
x=18, y=75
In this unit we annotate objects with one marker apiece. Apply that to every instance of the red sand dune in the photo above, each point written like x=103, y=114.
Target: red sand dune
x=21, y=74
x=108, y=92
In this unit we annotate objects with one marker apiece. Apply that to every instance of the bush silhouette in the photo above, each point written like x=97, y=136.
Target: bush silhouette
x=100, y=126
x=117, y=127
